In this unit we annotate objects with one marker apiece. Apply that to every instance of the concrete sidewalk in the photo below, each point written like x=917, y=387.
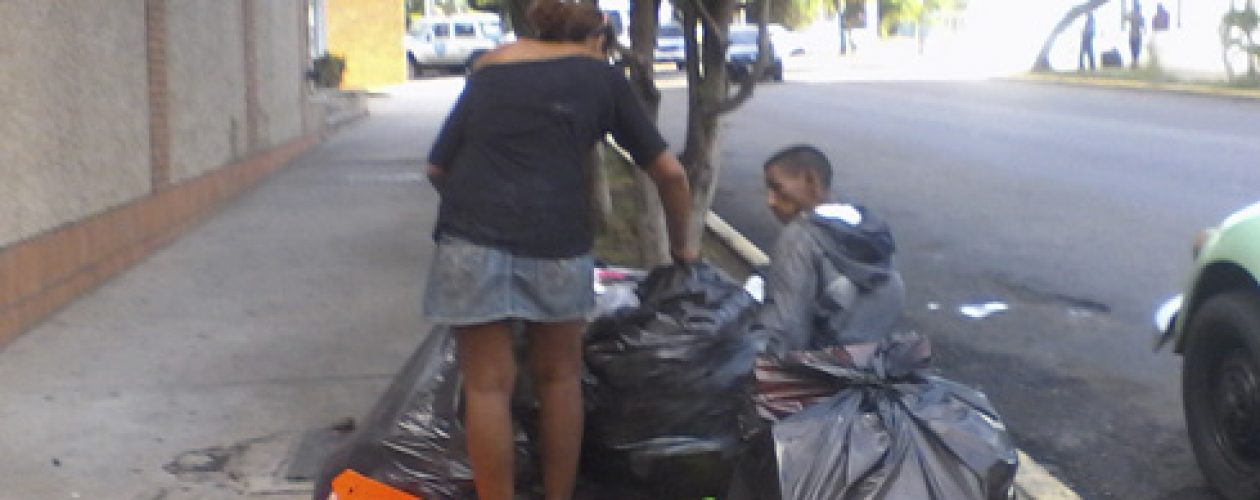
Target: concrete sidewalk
x=1118, y=80
x=193, y=375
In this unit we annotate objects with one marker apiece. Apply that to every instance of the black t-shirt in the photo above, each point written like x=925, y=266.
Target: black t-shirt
x=515, y=149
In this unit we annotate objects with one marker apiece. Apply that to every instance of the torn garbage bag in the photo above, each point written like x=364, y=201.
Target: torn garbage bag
x=888, y=429
x=413, y=438
x=670, y=384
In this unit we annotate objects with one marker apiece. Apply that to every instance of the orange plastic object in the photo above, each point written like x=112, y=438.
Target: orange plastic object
x=350, y=485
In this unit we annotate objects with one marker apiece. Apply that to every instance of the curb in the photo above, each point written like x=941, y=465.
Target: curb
x=1032, y=481
x=1127, y=84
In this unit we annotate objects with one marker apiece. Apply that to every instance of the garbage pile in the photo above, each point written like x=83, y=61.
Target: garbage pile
x=872, y=421
x=685, y=401
x=669, y=384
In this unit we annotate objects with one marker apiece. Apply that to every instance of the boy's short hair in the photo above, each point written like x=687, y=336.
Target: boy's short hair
x=801, y=158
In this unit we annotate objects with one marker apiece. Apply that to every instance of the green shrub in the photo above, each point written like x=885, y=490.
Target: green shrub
x=328, y=70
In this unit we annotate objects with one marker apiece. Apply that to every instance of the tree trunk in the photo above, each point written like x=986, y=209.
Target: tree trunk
x=709, y=96
x=516, y=10
x=650, y=221
x=705, y=93
x=1043, y=58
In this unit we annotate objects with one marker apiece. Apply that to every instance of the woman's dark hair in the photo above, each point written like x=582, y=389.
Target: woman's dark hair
x=558, y=21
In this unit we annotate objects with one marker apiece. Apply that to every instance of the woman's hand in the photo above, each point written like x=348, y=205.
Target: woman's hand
x=437, y=176
x=684, y=256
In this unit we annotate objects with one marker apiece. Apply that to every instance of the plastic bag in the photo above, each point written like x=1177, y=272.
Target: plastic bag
x=890, y=429
x=413, y=438
x=669, y=384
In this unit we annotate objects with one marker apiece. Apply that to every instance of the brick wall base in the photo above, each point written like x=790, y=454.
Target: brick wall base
x=40, y=275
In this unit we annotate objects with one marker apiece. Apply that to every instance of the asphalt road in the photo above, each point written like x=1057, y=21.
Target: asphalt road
x=1075, y=206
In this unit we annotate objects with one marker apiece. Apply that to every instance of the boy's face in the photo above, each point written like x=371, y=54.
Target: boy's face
x=790, y=193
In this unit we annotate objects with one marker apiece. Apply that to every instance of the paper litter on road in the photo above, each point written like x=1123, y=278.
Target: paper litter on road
x=981, y=311
x=756, y=286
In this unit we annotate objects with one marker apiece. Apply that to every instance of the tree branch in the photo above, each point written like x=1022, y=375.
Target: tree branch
x=1043, y=58
x=639, y=68
x=691, y=48
x=749, y=82
x=711, y=23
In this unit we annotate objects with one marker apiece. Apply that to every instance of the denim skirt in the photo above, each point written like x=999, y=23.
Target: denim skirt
x=471, y=284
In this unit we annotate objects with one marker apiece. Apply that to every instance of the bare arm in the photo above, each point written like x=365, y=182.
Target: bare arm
x=671, y=183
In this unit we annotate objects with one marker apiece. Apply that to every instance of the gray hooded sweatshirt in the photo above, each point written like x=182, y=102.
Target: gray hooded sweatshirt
x=831, y=281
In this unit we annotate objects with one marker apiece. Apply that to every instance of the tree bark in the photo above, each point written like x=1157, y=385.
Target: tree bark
x=1043, y=58
x=650, y=221
x=709, y=96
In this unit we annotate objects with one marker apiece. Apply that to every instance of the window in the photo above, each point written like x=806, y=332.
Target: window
x=465, y=30
x=441, y=31
x=492, y=29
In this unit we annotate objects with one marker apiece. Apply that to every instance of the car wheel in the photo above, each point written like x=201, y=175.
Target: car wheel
x=1221, y=392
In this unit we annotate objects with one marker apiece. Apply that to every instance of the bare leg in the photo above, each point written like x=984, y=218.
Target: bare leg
x=489, y=369
x=555, y=361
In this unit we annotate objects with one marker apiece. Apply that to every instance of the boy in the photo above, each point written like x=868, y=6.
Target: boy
x=831, y=279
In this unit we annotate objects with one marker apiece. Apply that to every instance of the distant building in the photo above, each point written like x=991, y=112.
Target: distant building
x=368, y=34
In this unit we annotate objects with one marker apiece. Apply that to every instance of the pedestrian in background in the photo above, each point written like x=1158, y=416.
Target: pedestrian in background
x=1087, y=43
x=1162, y=19
x=514, y=230
x=1137, y=28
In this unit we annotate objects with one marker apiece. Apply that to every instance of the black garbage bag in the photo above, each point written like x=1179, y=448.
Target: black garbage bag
x=413, y=438
x=669, y=385
x=889, y=429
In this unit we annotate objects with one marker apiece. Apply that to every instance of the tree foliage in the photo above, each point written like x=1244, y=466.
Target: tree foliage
x=794, y=14
x=893, y=13
x=1238, y=32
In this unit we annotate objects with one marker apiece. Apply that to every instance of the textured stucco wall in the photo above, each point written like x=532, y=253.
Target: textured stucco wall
x=281, y=70
x=369, y=34
x=207, y=80
x=75, y=123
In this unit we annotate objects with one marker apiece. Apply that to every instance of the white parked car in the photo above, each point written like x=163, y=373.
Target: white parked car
x=669, y=46
x=451, y=42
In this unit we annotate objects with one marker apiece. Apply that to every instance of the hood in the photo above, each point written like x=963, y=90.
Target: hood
x=859, y=244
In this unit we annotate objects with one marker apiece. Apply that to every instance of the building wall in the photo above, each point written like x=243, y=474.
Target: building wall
x=75, y=121
x=207, y=75
x=127, y=121
x=280, y=71
x=369, y=34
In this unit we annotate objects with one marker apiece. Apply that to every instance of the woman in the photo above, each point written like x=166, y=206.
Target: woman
x=514, y=228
